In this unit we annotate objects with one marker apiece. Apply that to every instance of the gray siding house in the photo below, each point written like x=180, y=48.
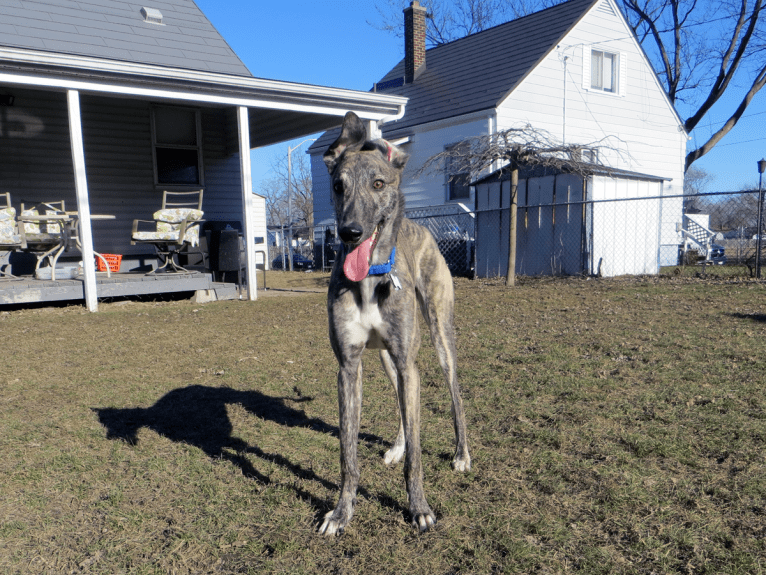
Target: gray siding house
x=106, y=103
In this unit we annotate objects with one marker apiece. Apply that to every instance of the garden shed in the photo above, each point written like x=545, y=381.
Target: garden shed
x=608, y=222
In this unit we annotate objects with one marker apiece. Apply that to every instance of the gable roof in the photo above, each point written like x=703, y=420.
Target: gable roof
x=116, y=30
x=477, y=72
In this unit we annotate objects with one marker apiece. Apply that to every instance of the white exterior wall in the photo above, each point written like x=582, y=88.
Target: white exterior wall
x=431, y=188
x=638, y=119
x=624, y=237
x=615, y=238
x=549, y=238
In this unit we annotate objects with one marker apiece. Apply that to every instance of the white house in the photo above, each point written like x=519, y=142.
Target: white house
x=575, y=70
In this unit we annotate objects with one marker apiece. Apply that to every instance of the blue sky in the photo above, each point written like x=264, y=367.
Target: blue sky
x=327, y=43
x=330, y=43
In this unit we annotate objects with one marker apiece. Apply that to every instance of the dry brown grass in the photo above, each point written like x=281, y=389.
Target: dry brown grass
x=616, y=426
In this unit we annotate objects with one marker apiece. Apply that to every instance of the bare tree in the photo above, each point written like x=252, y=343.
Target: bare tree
x=275, y=191
x=696, y=181
x=513, y=149
x=701, y=51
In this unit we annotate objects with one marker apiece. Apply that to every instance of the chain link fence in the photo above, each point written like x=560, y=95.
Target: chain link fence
x=629, y=236
x=454, y=233
x=452, y=227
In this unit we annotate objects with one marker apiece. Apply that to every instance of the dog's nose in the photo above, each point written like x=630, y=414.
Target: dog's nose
x=351, y=234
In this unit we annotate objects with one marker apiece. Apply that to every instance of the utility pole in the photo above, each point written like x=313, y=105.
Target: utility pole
x=290, y=198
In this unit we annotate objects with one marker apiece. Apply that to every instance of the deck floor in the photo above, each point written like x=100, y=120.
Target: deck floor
x=30, y=290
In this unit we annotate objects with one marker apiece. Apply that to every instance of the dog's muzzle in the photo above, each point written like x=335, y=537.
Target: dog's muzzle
x=357, y=263
x=351, y=234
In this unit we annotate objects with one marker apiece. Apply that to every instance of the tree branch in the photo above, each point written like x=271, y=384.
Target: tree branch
x=728, y=66
x=758, y=83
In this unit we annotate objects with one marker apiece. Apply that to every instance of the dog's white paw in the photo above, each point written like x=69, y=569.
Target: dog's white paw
x=462, y=464
x=394, y=455
x=330, y=526
x=424, y=521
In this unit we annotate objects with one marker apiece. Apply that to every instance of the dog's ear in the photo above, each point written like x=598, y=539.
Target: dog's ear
x=394, y=156
x=352, y=136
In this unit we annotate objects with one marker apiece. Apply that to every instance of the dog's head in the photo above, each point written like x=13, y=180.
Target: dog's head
x=365, y=182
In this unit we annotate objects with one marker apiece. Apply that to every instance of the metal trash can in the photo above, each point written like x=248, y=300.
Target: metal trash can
x=224, y=241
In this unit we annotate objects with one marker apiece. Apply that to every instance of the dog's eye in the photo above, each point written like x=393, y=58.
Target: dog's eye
x=378, y=184
x=338, y=187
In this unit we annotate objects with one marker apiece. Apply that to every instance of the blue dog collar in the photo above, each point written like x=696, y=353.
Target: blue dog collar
x=382, y=269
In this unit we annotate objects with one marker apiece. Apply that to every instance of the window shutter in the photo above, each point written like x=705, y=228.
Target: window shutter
x=622, y=81
x=586, y=67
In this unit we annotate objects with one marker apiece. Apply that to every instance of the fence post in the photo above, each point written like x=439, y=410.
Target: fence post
x=324, y=246
x=510, y=278
x=761, y=169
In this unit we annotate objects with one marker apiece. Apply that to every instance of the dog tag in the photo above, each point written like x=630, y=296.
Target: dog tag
x=395, y=281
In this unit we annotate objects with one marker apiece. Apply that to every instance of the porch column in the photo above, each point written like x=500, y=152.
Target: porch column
x=83, y=207
x=243, y=125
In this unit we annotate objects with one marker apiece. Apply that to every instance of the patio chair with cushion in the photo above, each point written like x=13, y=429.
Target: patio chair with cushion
x=175, y=228
x=45, y=230
x=11, y=237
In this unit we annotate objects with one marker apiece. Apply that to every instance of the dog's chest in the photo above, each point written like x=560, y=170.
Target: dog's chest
x=366, y=323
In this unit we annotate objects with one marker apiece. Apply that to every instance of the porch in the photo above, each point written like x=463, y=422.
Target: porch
x=145, y=131
x=28, y=290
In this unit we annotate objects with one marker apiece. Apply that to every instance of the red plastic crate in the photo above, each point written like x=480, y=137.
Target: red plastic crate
x=114, y=261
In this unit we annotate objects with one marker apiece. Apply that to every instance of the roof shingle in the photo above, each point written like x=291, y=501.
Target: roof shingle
x=116, y=29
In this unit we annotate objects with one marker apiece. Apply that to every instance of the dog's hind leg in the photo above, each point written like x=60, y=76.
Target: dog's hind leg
x=438, y=313
x=350, y=404
x=395, y=454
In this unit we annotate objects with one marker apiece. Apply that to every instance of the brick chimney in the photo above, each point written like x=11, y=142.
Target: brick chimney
x=414, y=41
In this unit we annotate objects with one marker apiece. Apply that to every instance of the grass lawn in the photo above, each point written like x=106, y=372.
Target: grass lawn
x=615, y=426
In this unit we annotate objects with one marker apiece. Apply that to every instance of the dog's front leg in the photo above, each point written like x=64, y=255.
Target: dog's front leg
x=350, y=407
x=409, y=403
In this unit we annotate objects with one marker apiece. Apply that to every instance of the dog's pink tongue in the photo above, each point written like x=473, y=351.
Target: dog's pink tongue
x=357, y=264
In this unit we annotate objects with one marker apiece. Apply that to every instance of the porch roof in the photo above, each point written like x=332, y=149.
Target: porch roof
x=280, y=111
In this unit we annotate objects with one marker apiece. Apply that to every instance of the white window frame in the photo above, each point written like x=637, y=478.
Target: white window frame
x=591, y=156
x=618, y=71
x=196, y=147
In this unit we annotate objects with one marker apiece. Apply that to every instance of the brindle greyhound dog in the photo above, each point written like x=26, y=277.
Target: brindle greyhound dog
x=386, y=267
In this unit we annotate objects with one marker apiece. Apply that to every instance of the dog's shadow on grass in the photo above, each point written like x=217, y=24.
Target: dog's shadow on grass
x=756, y=317
x=196, y=415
